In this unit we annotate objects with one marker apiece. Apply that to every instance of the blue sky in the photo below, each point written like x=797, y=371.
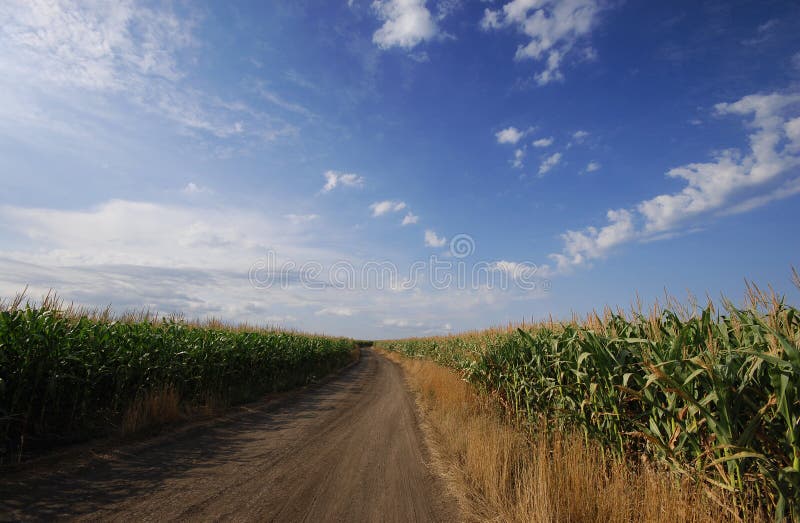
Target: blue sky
x=155, y=154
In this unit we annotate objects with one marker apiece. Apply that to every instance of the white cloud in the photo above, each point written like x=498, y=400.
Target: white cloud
x=95, y=46
x=65, y=64
x=543, y=142
x=301, y=81
x=764, y=32
x=519, y=156
x=433, y=240
x=401, y=322
x=792, y=129
x=555, y=28
x=335, y=179
x=196, y=260
x=733, y=182
x=153, y=235
x=583, y=246
x=395, y=322
x=335, y=311
x=405, y=323
x=421, y=57
x=510, y=135
x=192, y=188
x=548, y=163
x=298, y=219
x=580, y=135
x=592, y=167
x=514, y=270
x=410, y=219
x=279, y=101
x=445, y=8
x=711, y=185
x=786, y=190
x=386, y=206
x=406, y=23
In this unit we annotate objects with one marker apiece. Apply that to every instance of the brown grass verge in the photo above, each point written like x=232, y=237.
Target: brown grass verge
x=498, y=472
x=156, y=407
x=163, y=406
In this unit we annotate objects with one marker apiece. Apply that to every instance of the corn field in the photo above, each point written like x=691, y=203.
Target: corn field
x=715, y=396
x=67, y=374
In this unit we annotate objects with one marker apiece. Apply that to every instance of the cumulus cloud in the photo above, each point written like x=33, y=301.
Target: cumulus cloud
x=543, y=142
x=592, y=167
x=774, y=144
x=509, y=135
x=733, y=182
x=433, y=240
x=335, y=179
x=580, y=135
x=386, y=206
x=406, y=23
x=410, y=219
x=548, y=163
x=512, y=135
x=514, y=270
x=554, y=28
x=591, y=243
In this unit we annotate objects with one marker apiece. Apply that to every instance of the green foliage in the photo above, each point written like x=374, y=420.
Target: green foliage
x=65, y=376
x=717, y=397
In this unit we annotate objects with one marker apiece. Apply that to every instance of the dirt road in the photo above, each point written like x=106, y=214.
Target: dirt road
x=346, y=450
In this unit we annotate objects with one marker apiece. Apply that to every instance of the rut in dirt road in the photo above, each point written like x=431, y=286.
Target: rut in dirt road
x=347, y=450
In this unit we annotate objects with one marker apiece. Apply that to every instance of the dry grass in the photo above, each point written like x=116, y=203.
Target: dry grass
x=155, y=408
x=163, y=406
x=500, y=473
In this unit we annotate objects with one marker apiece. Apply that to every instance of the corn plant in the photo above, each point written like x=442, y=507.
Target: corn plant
x=66, y=375
x=715, y=396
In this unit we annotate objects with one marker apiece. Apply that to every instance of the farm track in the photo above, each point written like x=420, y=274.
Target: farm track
x=349, y=449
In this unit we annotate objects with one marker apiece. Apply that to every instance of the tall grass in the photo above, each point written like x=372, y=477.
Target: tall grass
x=67, y=373
x=712, y=394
